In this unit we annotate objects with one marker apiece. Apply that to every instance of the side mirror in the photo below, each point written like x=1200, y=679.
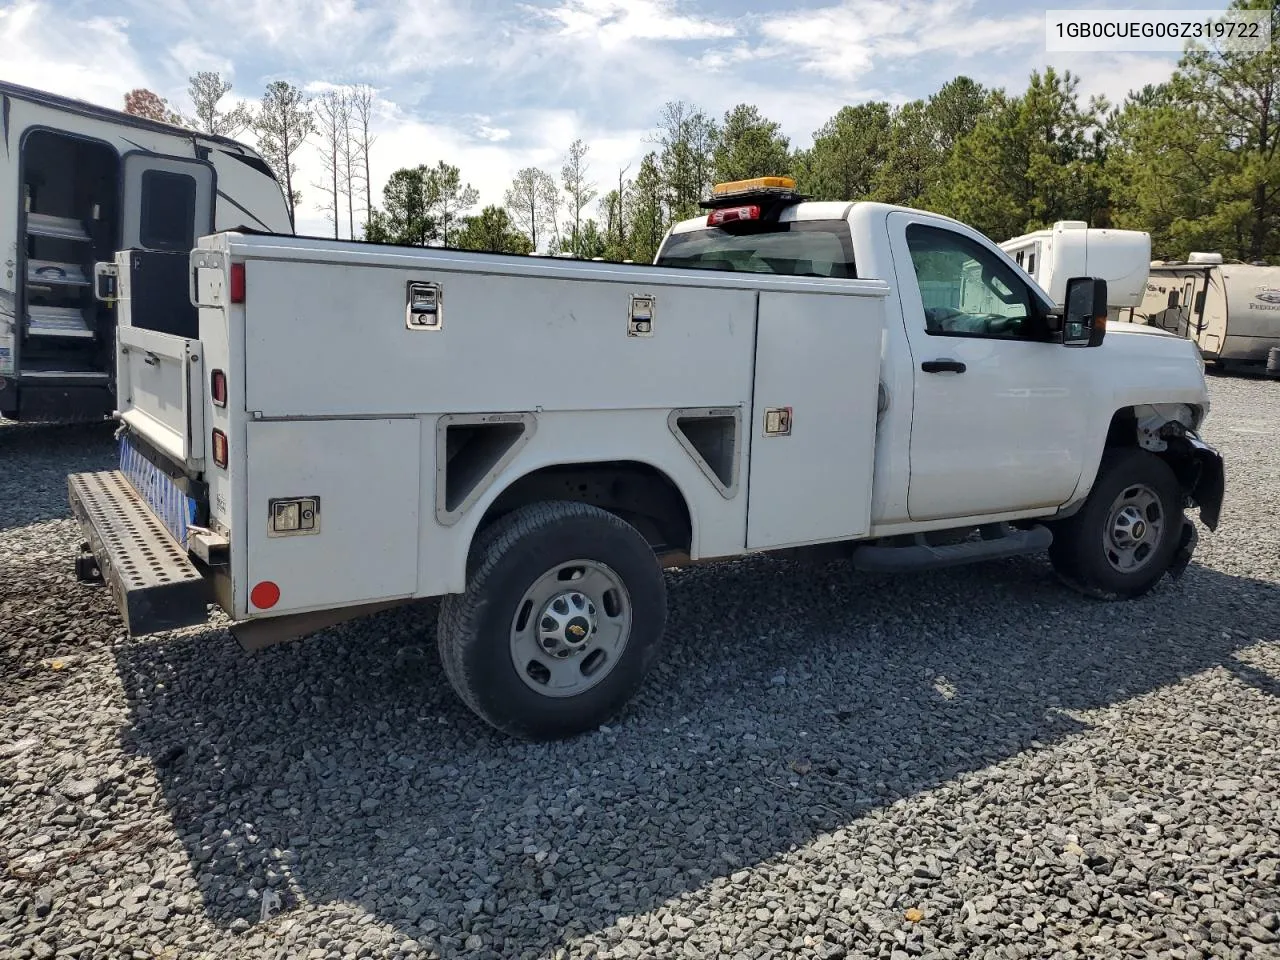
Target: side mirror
x=1085, y=314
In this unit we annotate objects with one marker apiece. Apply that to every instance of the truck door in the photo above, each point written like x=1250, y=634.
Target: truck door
x=998, y=422
x=168, y=203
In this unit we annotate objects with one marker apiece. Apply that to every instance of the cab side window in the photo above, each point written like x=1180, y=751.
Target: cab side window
x=967, y=291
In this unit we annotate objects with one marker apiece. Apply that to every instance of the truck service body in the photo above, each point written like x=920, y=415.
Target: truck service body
x=532, y=439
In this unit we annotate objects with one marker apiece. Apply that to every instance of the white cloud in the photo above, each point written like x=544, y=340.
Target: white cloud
x=487, y=131
x=718, y=59
x=1112, y=75
x=426, y=35
x=848, y=40
x=89, y=59
x=190, y=56
x=615, y=23
x=340, y=39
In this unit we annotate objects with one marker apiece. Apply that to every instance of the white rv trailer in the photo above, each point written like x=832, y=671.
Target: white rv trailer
x=1071, y=248
x=1231, y=310
x=79, y=183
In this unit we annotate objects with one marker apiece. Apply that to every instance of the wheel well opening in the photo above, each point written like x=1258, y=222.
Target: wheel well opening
x=1151, y=426
x=1161, y=430
x=642, y=495
x=1123, y=431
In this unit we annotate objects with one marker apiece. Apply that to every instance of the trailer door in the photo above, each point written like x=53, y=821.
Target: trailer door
x=168, y=203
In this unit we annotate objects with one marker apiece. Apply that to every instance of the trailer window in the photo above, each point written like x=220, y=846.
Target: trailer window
x=809, y=248
x=168, y=216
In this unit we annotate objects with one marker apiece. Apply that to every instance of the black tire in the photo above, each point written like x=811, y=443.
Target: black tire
x=475, y=627
x=1079, y=552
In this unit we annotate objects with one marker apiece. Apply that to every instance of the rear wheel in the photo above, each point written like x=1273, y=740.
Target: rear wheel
x=1125, y=537
x=561, y=620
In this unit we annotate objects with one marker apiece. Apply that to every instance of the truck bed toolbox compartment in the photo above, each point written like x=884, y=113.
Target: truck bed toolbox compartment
x=155, y=584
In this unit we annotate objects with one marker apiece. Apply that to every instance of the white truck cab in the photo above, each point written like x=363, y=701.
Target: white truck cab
x=533, y=439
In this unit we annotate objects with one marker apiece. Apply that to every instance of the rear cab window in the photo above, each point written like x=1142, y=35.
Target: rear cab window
x=798, y=248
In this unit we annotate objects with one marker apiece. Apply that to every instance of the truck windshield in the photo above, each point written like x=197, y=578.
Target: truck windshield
x=807, y=248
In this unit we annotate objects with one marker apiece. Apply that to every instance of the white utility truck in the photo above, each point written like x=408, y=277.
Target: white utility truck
x=1230, y=310
x=1071, y=248
x=78, y=184
x=533, y=439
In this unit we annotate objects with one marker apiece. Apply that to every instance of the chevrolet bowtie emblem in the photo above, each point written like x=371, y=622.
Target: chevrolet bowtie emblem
x=576, y=630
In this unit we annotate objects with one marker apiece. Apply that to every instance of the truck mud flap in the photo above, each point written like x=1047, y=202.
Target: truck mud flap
x=154, y=582
x=1187, y=540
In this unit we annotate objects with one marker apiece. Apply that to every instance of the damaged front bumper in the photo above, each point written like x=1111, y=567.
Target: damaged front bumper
x=1207, y=485
x=1204, y=479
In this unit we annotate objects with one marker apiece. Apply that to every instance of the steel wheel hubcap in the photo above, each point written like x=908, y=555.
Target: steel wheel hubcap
x=570, y=628
x=1133, y=529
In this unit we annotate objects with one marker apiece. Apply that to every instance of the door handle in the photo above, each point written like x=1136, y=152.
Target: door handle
x=943, y=366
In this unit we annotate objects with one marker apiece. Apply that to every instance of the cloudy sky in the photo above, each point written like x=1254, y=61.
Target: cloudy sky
x=495, y=85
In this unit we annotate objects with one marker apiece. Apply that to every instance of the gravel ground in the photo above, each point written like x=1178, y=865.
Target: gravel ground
x=972, y=763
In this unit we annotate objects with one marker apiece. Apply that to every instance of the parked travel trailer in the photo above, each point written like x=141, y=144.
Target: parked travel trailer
x=1231, y=310
x=78, y=183
x=1071, y=248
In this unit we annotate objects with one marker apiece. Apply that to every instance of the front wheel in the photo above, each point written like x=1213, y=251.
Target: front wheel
x=1126, y=536
x=561, y=620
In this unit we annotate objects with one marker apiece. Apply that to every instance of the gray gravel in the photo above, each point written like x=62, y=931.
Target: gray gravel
x=975, y=763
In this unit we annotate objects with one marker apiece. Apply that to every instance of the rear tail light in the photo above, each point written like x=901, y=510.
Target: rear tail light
x=237, y=283
x=220, y=448
x=218, y=388
x=730, y=214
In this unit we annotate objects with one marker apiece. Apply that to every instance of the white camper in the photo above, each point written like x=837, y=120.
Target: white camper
x=1231, y=310
x=78, y=183
x=1071, y=248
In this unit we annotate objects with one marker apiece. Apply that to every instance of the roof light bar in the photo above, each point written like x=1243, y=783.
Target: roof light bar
x=755, y=183
x=771, y=190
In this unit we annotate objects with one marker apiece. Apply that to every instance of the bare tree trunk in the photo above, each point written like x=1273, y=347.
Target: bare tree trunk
x=622, y=220
x=362, y=102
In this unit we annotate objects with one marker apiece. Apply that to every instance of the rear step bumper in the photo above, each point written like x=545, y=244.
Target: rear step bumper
x=155, y=584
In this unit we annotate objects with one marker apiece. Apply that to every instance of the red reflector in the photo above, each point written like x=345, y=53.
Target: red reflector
x=264, y=595
x=730, y=214
x=220, y=448
x=237, y=283
x=218, y=387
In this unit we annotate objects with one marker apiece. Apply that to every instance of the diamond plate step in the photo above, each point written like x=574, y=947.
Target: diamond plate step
x=156, y=585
